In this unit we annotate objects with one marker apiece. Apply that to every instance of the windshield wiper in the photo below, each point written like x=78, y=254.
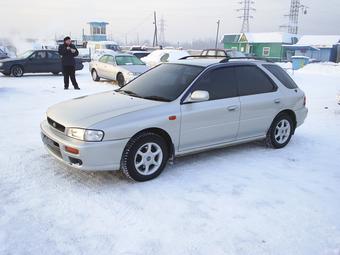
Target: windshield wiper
x=157, y=98
x=128, y=92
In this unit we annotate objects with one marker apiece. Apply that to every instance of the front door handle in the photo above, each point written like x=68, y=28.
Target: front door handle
x=277, y=101
x=232, y=108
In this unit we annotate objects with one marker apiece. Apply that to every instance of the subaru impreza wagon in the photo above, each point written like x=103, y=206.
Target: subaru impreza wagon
x=172, y=110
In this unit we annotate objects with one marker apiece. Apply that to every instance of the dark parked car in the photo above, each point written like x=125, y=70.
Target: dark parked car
x=3, y=55
x=139, y=54
x=35, y=61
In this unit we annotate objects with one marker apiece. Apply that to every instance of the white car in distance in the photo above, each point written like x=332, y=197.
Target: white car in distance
x=119, y=67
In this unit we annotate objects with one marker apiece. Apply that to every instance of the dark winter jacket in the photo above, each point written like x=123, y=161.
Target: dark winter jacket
x=67, y=57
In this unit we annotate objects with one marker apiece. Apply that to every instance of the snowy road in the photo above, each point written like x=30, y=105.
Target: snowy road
x=240, y=200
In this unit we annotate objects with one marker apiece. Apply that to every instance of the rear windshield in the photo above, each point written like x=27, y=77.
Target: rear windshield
x=281, y=75
x=165, y=82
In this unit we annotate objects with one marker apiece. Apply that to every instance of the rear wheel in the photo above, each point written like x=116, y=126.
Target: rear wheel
x=145, y=157
x=17, y=71
x=120, y=80
x=280, y=132
x=95, y=76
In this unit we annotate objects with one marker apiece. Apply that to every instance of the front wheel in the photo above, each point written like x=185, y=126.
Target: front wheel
x=120, y=80
x=17, y=71
x=95, y=76
x=144, y=157
x=280, y=132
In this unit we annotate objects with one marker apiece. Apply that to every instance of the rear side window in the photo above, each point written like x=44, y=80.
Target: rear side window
x=281, y=75
x=252, y=80
x=220, y=83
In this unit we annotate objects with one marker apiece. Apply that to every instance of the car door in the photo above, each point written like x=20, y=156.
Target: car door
x=36, y=63
x=215, y=121
x=100, y=66
x=111, y=68
x=53, y=62
x=260, y=101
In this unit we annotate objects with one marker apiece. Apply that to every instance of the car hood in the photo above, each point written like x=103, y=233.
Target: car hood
x=86, y=111
x=11, y=60
x=136, y=68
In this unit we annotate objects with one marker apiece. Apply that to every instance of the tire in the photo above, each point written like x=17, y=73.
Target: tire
x=145, y=157
x=280, y=131
x=95, y=76
x=120, y=80
x=17, y=71
x=55, y=73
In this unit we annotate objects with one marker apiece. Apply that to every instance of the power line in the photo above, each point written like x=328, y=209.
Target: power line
x=246, y=9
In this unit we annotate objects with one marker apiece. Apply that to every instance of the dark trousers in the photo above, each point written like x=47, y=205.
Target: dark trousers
x=69, y=72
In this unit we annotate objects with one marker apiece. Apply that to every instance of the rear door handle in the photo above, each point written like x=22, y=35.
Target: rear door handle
x=277, y=101
x=232, y=108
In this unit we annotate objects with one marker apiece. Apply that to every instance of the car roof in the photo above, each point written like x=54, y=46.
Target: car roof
x=205, y=62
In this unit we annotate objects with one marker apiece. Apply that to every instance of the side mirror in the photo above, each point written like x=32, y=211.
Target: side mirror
x=198, y=96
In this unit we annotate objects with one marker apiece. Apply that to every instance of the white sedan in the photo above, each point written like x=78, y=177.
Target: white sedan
x=162, y=56
x=119, y=67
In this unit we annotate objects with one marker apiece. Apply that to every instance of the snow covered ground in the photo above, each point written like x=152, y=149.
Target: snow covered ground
x=240, y=200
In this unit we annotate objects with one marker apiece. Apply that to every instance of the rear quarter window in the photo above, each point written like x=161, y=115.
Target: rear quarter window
x=281, y=75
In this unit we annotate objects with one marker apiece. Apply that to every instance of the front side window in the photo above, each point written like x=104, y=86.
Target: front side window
x=281, y=75
x=26, y=54
x=220, y=83
x=110, y=60
x=252, y=80
x=40, y=55
x=165, y=82
x=103, y=59
x=52, y=55
x=128, y=60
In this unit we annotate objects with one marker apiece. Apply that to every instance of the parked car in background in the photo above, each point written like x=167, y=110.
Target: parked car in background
x=34, y=61
x=162, y=56
x=222, y=53
x=139, y=54
x=84, y=54
x=103, y=47
x=120, y=67
x=3, y=55
x=172, y=110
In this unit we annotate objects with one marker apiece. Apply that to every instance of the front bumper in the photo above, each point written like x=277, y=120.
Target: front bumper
x=301, y=115
x=93, y=156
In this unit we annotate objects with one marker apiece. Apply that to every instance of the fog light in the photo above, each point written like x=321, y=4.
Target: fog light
x=71, y=150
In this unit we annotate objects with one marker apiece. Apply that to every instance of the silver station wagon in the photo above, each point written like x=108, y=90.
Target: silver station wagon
x=175, y=109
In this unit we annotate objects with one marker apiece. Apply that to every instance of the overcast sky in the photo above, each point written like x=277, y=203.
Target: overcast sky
x=185, y=19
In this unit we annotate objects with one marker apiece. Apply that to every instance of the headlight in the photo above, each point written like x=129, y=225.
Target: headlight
x=87, y=135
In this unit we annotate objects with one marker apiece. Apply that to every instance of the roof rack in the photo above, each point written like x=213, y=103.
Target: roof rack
x=226, y=59
x=199, y=56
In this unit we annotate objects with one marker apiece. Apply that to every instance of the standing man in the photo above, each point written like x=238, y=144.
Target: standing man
x=67, y=52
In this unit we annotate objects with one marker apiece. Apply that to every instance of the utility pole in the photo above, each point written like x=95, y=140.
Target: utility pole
x=155, y=38
x=293, y=23
x=246, y=9
x=217, y=33
x=162, y=32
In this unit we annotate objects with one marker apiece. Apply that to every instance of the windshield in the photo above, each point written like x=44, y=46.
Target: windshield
x=26, y=54
x=164, y=83
x=128, y=60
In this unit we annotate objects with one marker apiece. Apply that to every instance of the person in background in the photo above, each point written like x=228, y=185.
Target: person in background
x=68, y=52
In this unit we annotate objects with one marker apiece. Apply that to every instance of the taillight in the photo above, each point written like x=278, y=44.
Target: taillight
x=304, y=101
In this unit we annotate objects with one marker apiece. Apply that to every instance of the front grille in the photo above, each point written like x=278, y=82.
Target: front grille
x=56, y=125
